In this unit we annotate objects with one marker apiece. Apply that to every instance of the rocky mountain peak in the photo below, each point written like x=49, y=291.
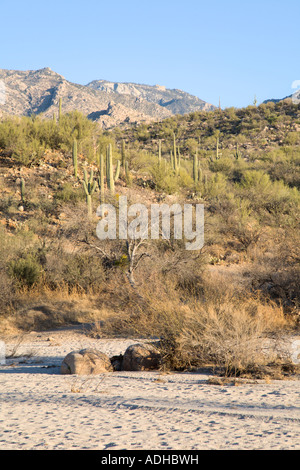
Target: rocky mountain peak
x=110, y=103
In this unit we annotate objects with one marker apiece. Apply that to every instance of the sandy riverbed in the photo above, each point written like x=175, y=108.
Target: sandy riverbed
x=42, y=409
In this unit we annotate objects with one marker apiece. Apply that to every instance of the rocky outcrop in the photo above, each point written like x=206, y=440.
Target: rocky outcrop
x=111, y=104
x=175, y=101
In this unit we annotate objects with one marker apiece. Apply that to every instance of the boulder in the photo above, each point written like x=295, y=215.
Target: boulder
x=141, y=357
x=86, y=362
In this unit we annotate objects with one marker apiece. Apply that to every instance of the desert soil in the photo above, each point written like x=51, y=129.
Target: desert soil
x=42, y=409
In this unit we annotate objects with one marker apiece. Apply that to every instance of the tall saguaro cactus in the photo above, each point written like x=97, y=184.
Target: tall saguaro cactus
x=174, y=153
x=200, y=175
x=101, y=179
x=89, y=186
x=110, y=175
x=159, y=152
x=175, y=156
x=22, y=190
x=176, y=159
x=195, y=168
x=127, y=174
x=123, y=153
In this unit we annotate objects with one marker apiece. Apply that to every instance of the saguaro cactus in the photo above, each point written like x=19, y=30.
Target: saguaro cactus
x=117, y=172
x=174, y=153
x=175, y=159
x=159, y=152
x=123, y=153
x=127, y=174
x=217, y=136
x=200, y=175
x=237, y=152
x=22, y=190
x=89, y=187
x=74, y=154
x=195, y=168
x=111, y=177
x=205, y=183
x=101, y=179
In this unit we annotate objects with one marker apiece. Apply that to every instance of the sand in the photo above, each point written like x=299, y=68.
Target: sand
x=40, y=409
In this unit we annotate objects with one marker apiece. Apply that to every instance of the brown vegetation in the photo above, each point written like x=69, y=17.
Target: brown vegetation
x=217, y=306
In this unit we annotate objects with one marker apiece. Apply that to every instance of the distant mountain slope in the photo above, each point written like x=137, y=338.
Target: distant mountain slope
x=111, y=104
x=176, y=101
x=295, y=97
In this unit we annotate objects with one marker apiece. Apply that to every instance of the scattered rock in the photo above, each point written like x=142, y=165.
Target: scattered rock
x=86, y=362
x=117, y=362
x=141, y=357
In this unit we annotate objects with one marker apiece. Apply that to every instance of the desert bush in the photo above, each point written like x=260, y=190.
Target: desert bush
x=224, y=165
x=67, y=193
x=26, y=270
x=75, y=270
x=7, y=293
x=216, y=186
x=293, y=138
x=257, y=180
x=230, y=335
x=27, y=138
x=277, y=273
x=225, y=328
x=164, y=179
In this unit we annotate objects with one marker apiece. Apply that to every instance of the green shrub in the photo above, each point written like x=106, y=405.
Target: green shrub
x=26, y=270
x=216, y=186
x=224, y=165
x=256, y=179
x=69, y=194
x=77, y=270
x=164, y=179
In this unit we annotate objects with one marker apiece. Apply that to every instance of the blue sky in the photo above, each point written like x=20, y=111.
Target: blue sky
x=228, y=49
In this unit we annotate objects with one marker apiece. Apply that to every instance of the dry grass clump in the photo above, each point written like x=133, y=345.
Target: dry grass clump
x=218, y=326
x=41, y=308
x=231, y=335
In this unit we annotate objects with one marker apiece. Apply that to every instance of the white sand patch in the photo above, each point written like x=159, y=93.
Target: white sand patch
x=42, y=409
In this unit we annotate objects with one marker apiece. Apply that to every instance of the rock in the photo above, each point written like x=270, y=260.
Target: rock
x=117, y=362
x=86, y=362
x=141, y=357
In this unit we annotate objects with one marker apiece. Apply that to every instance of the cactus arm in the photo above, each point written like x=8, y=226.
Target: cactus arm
x=117, y=173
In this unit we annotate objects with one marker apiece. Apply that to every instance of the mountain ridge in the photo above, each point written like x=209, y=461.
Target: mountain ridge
x=110, y=103
x=295, y=97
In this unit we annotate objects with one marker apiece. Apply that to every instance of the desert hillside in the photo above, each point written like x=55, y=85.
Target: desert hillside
x=241, y=164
